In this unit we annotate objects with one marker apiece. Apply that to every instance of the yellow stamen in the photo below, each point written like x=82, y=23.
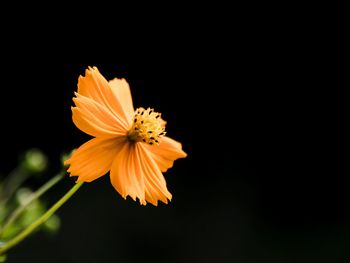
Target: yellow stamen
x=146, y=127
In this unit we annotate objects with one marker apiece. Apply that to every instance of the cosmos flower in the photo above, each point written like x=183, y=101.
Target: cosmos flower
x=130, y=144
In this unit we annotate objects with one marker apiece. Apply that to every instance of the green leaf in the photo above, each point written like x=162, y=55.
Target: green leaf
x=2, y=258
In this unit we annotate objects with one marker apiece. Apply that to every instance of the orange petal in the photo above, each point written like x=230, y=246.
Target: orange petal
x=96, y=87
x=155, y=185
x=166, y=153
x=102, y=121
x=94, y=158
x=121, y=90
x=125, y=174
x=135, y=173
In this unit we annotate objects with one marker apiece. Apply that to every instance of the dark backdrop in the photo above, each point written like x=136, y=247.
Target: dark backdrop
x=256, y=185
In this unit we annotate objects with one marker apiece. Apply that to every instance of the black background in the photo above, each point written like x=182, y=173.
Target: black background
x=257, y=185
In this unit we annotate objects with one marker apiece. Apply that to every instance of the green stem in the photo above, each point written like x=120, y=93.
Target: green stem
x=12, y=182
x=26, y=232
x=54, y=180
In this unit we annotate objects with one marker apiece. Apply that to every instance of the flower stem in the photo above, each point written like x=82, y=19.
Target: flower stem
x=53, y=181
x=12, y=182
x=26, y=232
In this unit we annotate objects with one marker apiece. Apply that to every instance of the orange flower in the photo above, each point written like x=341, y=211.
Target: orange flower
x=130, y=144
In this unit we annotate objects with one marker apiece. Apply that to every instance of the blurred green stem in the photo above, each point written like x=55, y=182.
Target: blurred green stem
x=13, y=181
x=26, y=232
x=12, y=218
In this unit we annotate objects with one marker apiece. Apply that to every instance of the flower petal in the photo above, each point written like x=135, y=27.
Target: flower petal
x=136, y=174
x=155, y=185
x=125, y=174
x=166, y=153
x=95, y=119
x=94, y=158
x=96, y=87
x=121, y=90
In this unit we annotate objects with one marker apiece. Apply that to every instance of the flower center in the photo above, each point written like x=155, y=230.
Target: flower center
x=146, y=127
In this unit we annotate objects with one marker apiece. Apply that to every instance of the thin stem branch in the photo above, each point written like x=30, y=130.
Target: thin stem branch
x=26, y=232
x=12, y=182
x=12, y=218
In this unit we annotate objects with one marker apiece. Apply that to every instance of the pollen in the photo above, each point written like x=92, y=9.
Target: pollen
x=146, y=127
